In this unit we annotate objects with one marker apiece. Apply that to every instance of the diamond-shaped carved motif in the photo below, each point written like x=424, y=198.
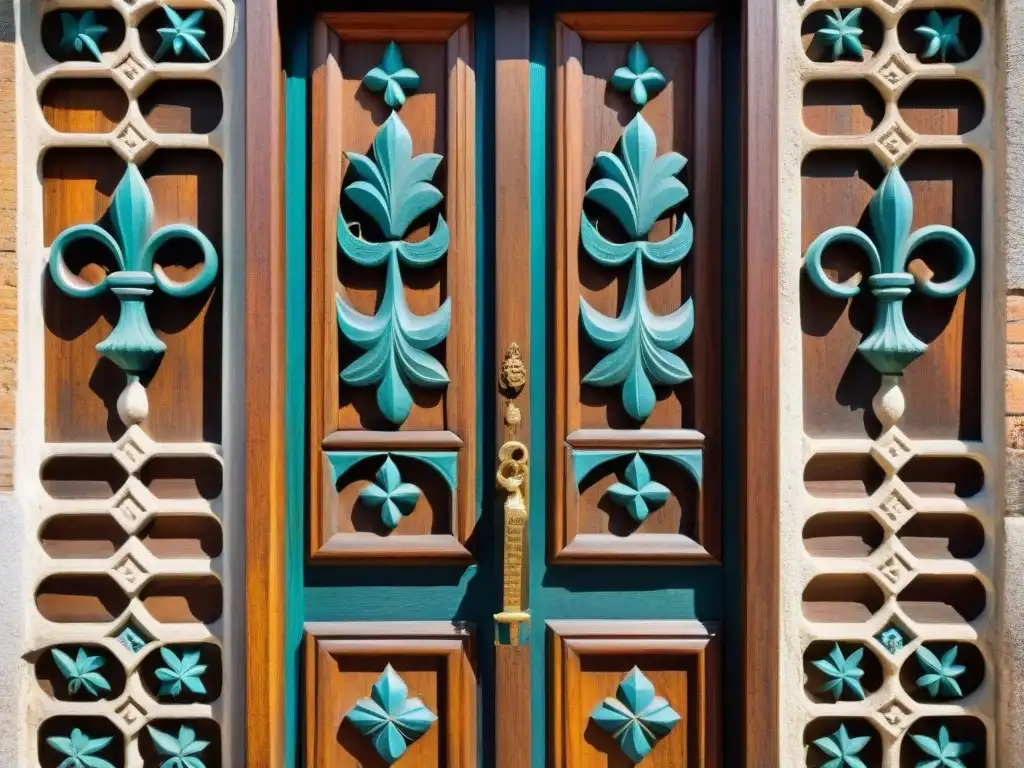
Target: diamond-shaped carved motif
x=131, y=716
x=892, y=450
x=131, y=140
x=894, y=72
x=134, y=449
x=129, y=508
x=130, y=572
x=895, y=510
x=895, y=716
x=895, y=570
x=131, y=68
x=895, y=141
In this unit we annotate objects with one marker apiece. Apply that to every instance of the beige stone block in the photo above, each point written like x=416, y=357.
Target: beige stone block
x=1015, y=333
x=1014, y=391
x=1015, y=357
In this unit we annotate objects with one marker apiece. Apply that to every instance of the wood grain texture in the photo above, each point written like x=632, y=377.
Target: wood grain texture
x=440, y=116
x=589, y=117
x=512, y=310
x=408, y=27
x=81, y=105
x=184, y=386
x=759, y=418
x=942, y=387
x=842, y=107
x=435, y=659
x=590, y=658
x=264, y=391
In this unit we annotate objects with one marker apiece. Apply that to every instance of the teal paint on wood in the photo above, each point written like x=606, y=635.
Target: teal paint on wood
x=841, y=750
x=942, y=36
x=891, y=347
x=392, y=77
x=941, y=752
x=81, y=671
x=639, y=495
x=295, y=42
x=79, y=750
x=181, y=751
x=389, y=493
x=445, y=463
x=689, y=459
x=394, y=189
x=841, y=672
x=940, y=675
x=637, y=190
x=182, y=34
x=180, y=673
x=390, y=718
x=81, y=33
x=892, y=639
x=841, y=33
x=638, y=77
x=635, y=717
x=132, y=345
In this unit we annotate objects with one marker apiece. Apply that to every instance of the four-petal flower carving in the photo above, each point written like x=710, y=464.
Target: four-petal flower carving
x=636, y=718
x=80, y=750
x=940, y=674
x=941, y=752
x=639, y=495
x=182, y=33
x=393, y=190
x=80, y=672
x=890, y=346
x=943, y=36
x=392, y=77
x=389, y=717
x=81, y=33
x=842, y=750
x=842, y=33
x=637, y=190
x=638, y=77
x=185, y=672
x=842, y=672
x=394, y=497
x=181, y=752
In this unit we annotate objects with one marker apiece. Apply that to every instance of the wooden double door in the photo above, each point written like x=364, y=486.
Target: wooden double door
x=511, y=495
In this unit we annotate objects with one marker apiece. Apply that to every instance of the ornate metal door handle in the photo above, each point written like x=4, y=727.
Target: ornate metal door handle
x=513, y=473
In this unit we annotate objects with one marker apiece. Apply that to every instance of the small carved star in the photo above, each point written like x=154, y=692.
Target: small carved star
x=842, y=33
x=943, y=36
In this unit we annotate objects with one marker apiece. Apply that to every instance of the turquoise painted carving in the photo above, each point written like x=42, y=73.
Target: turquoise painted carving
x=80, y=750
x=891, y=347
x=689, y=459
x=392, y=77
x=80, y=672
x=394, y=189
x=389, y=717
x=637, y=190
x=635, y=717
x=445, y=463
x=891, y=639
x=942, y=36
x=842, y=672
x=841, y=33
x=394, y=498
x=131, y=639
x=81, y=33
x=132, y=346
x=940, y=674
x=181, y=752
x=181, y=34
x=185, y=672
x=941, y=752
x=841, y=750
x=638, y=77
x=639, y=495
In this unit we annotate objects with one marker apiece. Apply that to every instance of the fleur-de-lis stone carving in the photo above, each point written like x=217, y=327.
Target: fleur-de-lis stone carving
x=635, y=717
x=132, y=345
x=389, y=717
x=637, y=190
x=394, y=189
x=890, y=346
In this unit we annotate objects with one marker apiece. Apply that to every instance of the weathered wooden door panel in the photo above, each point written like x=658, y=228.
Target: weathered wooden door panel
x=513, y=274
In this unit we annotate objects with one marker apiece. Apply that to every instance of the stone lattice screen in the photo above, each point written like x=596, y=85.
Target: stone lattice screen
x=890, y=622
x=130, y=241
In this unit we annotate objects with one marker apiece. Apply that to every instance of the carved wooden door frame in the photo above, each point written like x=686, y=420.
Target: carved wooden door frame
x=266, y=438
